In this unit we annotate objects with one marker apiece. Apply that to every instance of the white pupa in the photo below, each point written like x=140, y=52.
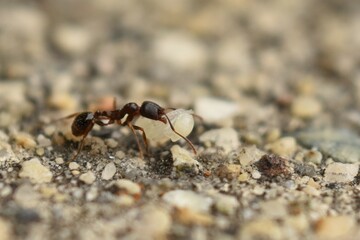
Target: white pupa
x=157, y=131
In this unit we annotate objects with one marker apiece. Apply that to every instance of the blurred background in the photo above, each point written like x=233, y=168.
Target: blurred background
x=65, y=55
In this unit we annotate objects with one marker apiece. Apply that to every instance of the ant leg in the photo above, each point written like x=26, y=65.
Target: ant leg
x=185, y=138
x=137, y=139
x=82, y=142
x=144, y=137
x=67, y=117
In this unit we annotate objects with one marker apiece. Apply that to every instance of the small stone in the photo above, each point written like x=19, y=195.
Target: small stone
x=128, y=187
x=35, y=171
x=272, y=165
x=341, y=172
x=284, y=147
x=59, y=160
x=88, y=177
x=189, y=217
x=189, y=200
x=261, y=229
x=255, y=174
x=273, y=135
x=7, y=156
x=249, y=155
x=40, y=151
x=228, y=171
x=183, y=160
x=243, y=177
x=335, y=227
x=72, y=40
x=124, y=200
x=109, y=171
x=43, y=141
x=311, y=191
x=75, y=172
x=225, y=138
x=25, y=140
x=62, y=101
x=274, y=209
x=112, y=143
x=26, y=196
x=209, y=108
x=6, y=232
x=226, y=204
x=120, y=154
x=73, y=166
x=92, y=194
x=306, y=107
x=313, y=156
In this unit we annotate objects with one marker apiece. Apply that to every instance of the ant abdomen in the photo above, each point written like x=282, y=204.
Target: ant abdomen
x=82, y=123
x=151, y=110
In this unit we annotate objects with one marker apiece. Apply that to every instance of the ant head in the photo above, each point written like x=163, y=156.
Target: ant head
x=152, y=111
x=82, y=123
x=131, y=107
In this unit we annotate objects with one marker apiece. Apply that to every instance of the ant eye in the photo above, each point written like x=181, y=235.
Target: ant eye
x=81, y=123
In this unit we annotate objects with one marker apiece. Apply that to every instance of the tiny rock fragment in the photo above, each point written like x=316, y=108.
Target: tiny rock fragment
x=189, y=217
x=63, y=101
x=188, y=199
x=228, y=171
x=261, y=229
x=226, y=204
x=35, y=171
x=249, y=155
x=112, y=143
x=285, y=146
x=73, y=166
x=313, y=156
x=335, y=227
x=127, y=186
x=43, y=141
x=272, y=165
x=225, y=138
x=306, y=107
x=59, y=160
x=183, y=160
x=7, y=156
x=88, y=177
x=341, y=172
x=109, y=171
x=25, y=140
x=215, y=110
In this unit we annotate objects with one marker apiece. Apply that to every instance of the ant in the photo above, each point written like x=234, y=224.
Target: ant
x=85, y=121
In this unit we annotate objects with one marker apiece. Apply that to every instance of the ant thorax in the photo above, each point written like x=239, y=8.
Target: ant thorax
x=182, y=120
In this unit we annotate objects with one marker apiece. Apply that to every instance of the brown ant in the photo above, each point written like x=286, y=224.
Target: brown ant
x=85, y=121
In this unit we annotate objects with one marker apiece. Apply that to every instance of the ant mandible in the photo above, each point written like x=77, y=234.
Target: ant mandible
x=85, y=121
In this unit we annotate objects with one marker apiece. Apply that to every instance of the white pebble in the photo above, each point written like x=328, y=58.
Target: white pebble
x=341, y=172
x=74, y=165
x=189, y=200
x=225, y=138
x=129, y=186
x=35, y=171
x=215, y=110
x=109, y=171
x=88, y=177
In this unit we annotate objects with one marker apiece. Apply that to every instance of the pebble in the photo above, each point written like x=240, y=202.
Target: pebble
x=341, y=145
x=120, y=154
x=228, y=171
x=284, y=147
x=335, y=227
x=92, y=194
x=72, y=40
x=35, y=171
x=26, y=196
x=43, y=141
x=40, y=151
x=249, y=155
x=226, y=204
x=61, y=100
x=261, y=229
x=274, y=209
x=128, y=186
x=272, y=165
x=209, y=108
x=109, y=171
x=179, y=51
x=88, y=177
x=255, y=174
x=59, y=160
x=25, y=140
x=112, y=143
x=305, y=107
x=225, y=138
x=7, y=155
x=313, y=156
x=341, y=172
x=189, y=217
x=73, y=165
x=6, y=231
x=183, y=160
x=188, y=199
